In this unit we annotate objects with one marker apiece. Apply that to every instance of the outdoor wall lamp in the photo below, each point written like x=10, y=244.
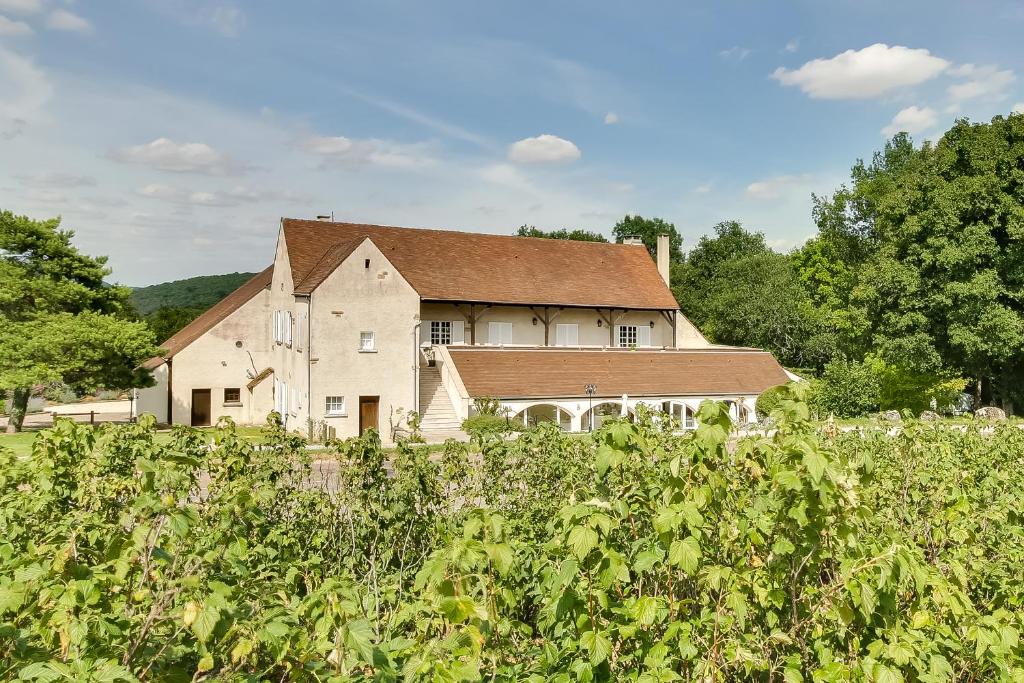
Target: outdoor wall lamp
x=534, y=321
x=599, y=322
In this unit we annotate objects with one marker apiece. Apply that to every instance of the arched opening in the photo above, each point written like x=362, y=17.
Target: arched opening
x=545, y=412
x=600, y=414
x=680, y=414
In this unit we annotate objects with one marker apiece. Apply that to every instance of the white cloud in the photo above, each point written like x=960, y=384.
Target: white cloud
x=771, y=188
x=56, y=179
x=792, y=46
x=1018, y=108
x=9, y=27
x=167, y=155
x=234, y=196
x=369, y=152
x=858, y=74
x=63, y=20
x=227, y=20
x=25, y=90
x=735, y=53
x=543, y=149
x=21, y=6
x=911, y=120
x=611, y=118
x=980, y=81
x=703, y=188
x=621, y=188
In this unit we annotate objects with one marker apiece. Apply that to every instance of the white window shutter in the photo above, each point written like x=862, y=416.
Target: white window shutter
x=288, y=328
x=424, y=332
x=643, y=335
x=458, y=332
x=618, y=335
x=567, y=334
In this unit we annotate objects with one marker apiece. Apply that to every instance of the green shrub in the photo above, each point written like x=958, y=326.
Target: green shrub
x=483, y=424
x=769, y=400
x=845, y=389
x=633, y=554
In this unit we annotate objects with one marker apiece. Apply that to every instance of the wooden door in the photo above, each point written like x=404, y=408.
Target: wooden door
x=200, y=407
x=368, y=413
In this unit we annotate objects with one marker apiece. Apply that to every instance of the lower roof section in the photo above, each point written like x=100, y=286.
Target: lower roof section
x=555, y=373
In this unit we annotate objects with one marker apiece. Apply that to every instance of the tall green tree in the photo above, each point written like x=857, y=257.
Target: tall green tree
x=61, y=321
x=167, y=320
x=740, y=292
x=648, y=229
x=937, y=235
x=577, y=234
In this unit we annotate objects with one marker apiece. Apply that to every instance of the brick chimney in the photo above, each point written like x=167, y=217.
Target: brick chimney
x=663, y=251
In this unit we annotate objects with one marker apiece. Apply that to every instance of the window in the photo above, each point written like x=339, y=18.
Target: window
x=232, y=396
x=366, y=263
x=366, y=342
x=627, y=335
x=276, y=324
x=440, y=332
x=335, y=405
x=499, y=333
x=634, y=335
x=288, y=328
x=567, y=334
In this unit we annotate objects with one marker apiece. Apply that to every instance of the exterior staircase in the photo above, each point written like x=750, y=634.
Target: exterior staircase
x=439, y=421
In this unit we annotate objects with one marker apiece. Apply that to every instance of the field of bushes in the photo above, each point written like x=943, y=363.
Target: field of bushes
x=637, y=555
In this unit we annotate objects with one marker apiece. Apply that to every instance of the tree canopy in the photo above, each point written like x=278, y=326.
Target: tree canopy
x=936, y=236
x=62, y=322
x=648, y=229
x=578, y=234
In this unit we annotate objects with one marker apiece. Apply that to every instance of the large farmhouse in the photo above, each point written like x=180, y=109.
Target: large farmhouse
x=354, y=326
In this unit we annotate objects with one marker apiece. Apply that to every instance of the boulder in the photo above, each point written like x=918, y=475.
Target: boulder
x=892, y=416
x=929, y=416
x=990, y=413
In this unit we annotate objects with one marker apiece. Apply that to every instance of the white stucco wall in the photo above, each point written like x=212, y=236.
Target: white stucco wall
x=355, y=299
x=524, y=332
x=153, y=400
x=215, y=361
x=289, y=387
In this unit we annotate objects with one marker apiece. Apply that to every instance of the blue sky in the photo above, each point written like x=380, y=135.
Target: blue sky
x=173, y=134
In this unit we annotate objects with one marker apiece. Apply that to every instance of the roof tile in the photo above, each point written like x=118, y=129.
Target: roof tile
x=445, y=265
x=550, y=373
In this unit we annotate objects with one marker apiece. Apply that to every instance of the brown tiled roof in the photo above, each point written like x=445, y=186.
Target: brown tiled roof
x=550, y=373
x=205, y=322
x=445, y=265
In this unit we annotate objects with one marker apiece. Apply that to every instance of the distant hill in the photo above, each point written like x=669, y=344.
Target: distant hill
x=195, y=292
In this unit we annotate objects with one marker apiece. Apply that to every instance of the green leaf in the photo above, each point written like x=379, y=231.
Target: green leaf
x=685, y=554
x=783, y=547
x=359, y=637
x=815, y=463
x=582, y=540
x=11, y=597
x=598, y=645
x=205, y=622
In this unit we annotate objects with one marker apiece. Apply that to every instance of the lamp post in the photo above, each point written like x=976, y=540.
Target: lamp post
x=591, y=389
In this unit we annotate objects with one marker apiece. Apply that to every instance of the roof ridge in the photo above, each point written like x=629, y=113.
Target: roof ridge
x=546, y=240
